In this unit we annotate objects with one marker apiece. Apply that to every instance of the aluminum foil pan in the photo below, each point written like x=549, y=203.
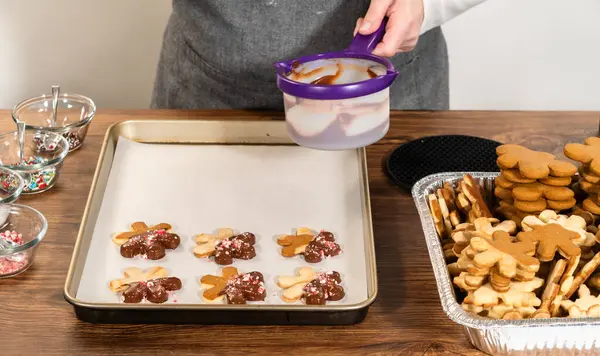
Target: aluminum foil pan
x=554, y=336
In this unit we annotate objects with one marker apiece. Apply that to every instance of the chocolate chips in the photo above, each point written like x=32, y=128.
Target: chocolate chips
x=323, y=245
x=150, y=244
x=154, y=290
x=326, y=286
x=240, y=246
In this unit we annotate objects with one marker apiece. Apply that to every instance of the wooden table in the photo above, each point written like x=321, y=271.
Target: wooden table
x=406, y=318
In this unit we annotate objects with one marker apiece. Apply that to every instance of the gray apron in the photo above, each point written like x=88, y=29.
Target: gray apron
x=218, y=54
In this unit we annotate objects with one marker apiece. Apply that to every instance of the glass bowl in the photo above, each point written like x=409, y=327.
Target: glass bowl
x=21, y=230
x=11, y=185
x=73, y=116
x=44, y=153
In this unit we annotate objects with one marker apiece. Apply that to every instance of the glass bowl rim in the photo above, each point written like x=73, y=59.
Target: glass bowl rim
x=76, y=124
x=36, y=240
x=39, y=166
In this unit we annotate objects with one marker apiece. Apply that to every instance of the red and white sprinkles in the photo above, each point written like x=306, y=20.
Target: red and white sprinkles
x=15, y=262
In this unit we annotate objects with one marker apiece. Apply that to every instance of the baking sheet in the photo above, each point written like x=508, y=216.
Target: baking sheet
x=266, y=190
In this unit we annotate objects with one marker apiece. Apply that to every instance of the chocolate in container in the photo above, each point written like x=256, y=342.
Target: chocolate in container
x=244, y=136
x=554, y=336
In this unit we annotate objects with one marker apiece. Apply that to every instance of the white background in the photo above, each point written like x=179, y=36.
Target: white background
x=504, y=54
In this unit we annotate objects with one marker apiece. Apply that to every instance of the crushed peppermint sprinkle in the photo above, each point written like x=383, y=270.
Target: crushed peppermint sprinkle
x=311, y=289
x=12, y=236
x=15, y=262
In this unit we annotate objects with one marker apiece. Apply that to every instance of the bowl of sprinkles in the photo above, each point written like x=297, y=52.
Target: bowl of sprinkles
x=73, y=115
x=43, y=156
x=11, y=185
x=21, y=230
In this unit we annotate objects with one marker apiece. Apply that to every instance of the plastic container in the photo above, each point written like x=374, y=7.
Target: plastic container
x=74, y=113
x=26, y=227
x=44, y=153
x=340, y=100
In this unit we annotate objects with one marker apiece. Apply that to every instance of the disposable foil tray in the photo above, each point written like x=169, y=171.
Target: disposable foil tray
x=554, y=336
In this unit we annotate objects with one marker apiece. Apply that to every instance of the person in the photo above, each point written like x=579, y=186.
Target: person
x=219, y=54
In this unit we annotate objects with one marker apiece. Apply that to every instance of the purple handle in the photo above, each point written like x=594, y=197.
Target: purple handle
x=366, y=44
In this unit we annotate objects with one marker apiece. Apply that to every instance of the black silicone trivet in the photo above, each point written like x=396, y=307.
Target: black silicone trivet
x=436, y=154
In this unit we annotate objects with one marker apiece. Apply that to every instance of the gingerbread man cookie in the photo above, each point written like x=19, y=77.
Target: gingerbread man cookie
x=233, y=287
x=571, y=285
x=225, y=246
x=148, y=242
x=573, y=223
x=532, y=164
x=519, y=295
x=483, y=227
x=152, y=285
x=315, y=288
x=502, y=252
x=507, y=312
x=551, y=238
x=313, y=248
x=588, y=154
x=586, y=305
x=444, y=210
x=548, y=306
x=471, y=199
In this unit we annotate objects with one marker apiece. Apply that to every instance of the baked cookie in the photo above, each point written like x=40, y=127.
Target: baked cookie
x=233, y=287
x=313, y=247
x=315, y=288
x=149, y=242
x=224, y=246
x=532, y=164
x=152, y=285
x=588, y=153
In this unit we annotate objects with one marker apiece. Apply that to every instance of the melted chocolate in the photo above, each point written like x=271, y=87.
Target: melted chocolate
x=323, y=288
x=240, y=246
x=323, y=245
x=329, y=79
x=154, y=290
x=151, y=244
x=371, y=74
x=245, y=287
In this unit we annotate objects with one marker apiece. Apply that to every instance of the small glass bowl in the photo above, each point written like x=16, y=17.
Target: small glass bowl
x=44, y=153
x=11, y=185
x=74, y=113
x=19, y=222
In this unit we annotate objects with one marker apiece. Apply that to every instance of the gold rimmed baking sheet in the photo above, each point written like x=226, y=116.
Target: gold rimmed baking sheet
x=202, y=175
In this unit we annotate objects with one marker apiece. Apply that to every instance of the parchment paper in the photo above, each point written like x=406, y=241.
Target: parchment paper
x=266, y=190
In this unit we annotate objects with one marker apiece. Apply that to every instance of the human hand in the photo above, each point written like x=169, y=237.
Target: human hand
x=405, y=18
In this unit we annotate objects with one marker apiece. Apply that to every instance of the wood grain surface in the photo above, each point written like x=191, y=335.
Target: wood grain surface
x=406, y=319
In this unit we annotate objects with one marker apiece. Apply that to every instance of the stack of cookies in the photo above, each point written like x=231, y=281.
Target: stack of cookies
x=503, y=274
x=589, y=156
x=451, y=208
x=532, y=181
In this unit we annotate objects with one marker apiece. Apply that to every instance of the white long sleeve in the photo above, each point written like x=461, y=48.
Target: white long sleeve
x=437, y=12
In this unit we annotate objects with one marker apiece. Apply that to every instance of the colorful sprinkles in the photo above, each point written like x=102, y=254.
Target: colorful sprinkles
x=40, y=180
x=8, y=182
